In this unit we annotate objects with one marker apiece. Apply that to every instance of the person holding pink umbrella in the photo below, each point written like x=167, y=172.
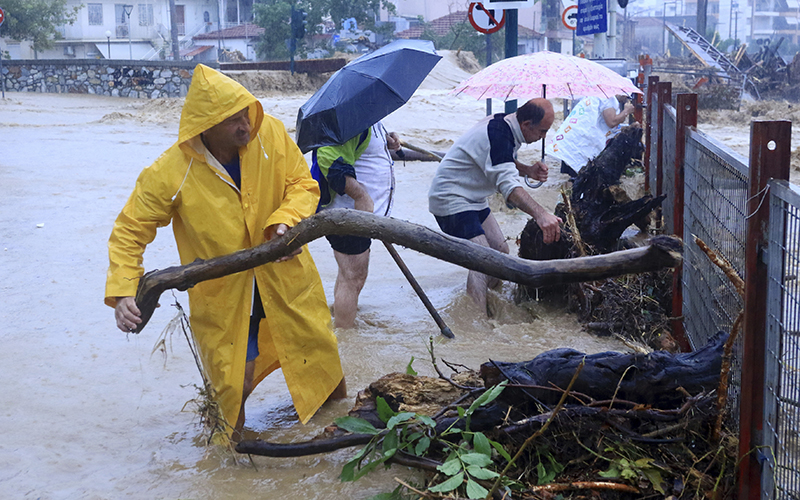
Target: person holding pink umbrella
x=482, y=162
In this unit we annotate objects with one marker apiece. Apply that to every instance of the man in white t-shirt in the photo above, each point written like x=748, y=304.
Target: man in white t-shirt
x=592, y=122
x=358, y=174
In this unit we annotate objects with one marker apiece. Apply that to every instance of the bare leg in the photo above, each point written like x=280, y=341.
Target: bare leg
x=247, y=388
x=496, y=241
x=353, y=270
x=477, y=283
x=340, y=392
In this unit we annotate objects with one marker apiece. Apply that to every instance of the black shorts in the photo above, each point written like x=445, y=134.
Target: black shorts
x=349, y=245
x=466, y=225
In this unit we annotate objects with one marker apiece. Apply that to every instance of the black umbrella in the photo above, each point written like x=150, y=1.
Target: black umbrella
x=363, y=92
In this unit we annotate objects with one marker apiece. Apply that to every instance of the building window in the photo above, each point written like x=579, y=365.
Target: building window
x=95, y=14
x=145, y=14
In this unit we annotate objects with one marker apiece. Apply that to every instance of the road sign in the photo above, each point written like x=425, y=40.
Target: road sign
x=2, y=17
x=570, y=17
x=592, y=17
x=508, y=4
x=485, y=20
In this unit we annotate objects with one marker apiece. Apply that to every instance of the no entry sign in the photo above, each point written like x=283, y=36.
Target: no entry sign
x=486, y=20
x=570, y=17
x=2, y=17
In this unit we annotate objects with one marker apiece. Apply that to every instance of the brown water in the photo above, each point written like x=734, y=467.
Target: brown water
x=89, y=412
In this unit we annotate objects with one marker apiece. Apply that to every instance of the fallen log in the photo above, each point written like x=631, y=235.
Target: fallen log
x=655, y=387
x=658, y=379
x=663, y=252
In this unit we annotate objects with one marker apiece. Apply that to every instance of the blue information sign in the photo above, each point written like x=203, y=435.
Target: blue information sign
x=592, y=17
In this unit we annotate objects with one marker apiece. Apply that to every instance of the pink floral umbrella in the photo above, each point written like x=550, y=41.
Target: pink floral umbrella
x=545, y=74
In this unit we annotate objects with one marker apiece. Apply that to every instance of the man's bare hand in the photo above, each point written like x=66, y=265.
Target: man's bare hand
x=276, y=231
x=628, y=108
x=538, y=171
x=127, y=314
x=551, y=227
x=393, y=141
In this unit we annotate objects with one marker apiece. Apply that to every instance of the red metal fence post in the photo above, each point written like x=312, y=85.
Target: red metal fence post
x=686, y=116
x=770, y=155
x=652, y=83
x=664, y=98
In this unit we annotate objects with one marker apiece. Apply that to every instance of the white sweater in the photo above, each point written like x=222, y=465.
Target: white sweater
x=476, y=167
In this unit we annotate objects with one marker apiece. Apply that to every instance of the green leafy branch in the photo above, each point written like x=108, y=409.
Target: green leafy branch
x=469, y=454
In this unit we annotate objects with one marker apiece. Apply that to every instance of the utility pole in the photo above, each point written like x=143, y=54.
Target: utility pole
x=664, y=18
x=512, y=29
x=702, y=17
x=173, y=31
x=551, y=12
x=611, y=42
x=2, y=78
x=128, y=9
x=488, y=63
x=730, y=22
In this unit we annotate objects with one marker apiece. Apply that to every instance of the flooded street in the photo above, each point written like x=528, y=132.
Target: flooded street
x=92, y=413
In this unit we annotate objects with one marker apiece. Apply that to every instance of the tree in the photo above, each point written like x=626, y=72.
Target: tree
x=464, y=37
x=37, y=21
x=275, y=17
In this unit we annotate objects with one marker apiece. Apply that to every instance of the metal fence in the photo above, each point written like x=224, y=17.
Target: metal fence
x=715, y=207
x=723, y=199
x=782, y=368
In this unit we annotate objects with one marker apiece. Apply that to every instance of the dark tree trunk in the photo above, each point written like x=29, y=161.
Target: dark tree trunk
x=656, y=379
x=601, y=209
x=600, y=214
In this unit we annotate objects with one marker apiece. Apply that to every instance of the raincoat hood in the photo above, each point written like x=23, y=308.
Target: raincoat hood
x=212, y=98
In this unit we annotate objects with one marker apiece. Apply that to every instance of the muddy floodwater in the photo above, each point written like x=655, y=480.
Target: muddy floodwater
x=90, y=412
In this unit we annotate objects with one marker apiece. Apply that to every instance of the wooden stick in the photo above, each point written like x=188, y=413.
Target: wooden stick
x=724, y=265
x=727, y=355
x=663, y=252
x=572, y=225
x=443, y=328
x=585, y=485
x=420, y=150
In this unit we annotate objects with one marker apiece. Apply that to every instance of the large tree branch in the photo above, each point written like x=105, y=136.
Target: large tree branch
x=662, y=252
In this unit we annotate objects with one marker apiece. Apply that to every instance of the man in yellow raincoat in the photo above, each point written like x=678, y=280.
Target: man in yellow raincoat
x=233, y=180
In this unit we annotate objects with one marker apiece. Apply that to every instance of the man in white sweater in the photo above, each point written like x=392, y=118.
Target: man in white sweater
x=482, y=162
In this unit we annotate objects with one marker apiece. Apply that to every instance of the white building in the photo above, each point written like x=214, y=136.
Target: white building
x=768, y=19
x=138, y=31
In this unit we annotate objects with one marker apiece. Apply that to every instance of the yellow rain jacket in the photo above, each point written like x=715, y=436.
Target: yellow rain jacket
x=211, y=217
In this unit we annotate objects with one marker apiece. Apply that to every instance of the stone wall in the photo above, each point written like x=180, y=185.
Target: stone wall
x=139, y=79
